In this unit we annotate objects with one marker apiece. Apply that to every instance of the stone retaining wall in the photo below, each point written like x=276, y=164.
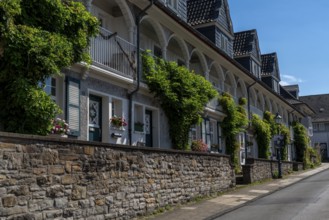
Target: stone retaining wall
x=260, y=169
x=48, y=178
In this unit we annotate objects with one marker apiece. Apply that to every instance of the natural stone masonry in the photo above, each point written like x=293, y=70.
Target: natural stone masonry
x=260, y=169
x=49, y=178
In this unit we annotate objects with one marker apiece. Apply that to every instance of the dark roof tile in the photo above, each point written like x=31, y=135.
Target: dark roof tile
x=202, y=11
x=243, y=42
x=269, y=62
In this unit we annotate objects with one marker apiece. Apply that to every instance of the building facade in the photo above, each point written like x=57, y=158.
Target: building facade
x=196, y=34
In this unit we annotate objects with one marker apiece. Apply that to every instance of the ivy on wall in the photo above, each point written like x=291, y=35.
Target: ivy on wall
x=278, y=129
x=181, y=93
x=300, y=140
x=263, y=135
x=235, y=122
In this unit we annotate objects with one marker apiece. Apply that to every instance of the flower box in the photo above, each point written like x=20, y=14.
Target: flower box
x=138, y=126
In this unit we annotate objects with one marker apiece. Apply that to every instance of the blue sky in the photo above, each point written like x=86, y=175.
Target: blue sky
x=297, y=30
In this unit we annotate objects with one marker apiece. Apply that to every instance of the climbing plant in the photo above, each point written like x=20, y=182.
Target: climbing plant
x=235, y=122
x=262, y=131
x=181, y=93
x=33, y=48
x=278, y=129
x=301, y=141
x=285, y=132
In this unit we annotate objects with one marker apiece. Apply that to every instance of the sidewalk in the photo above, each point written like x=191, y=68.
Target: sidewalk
x=229, y=201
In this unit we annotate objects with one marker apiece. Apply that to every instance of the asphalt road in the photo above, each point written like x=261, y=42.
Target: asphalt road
x=305, y=200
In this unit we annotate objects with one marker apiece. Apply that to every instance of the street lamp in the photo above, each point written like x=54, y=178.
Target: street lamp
x=278, y=143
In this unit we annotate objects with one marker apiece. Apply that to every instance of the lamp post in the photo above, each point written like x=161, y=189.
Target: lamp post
x=278, y=143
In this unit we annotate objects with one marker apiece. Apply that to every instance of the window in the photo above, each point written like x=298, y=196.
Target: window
x=321, y=127
x=49, y=86
x=157, y=51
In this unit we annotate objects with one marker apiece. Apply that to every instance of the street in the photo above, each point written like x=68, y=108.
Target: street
x=305, y=200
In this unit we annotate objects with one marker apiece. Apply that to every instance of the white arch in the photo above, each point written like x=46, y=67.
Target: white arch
x=219, y=72
x=158, y=30
x=253, y=96
x=127, y=15
x=268, y=102
x=230, y=77
x=262, y=101
x=183, y=46
x=243, y=87
x=202, y=59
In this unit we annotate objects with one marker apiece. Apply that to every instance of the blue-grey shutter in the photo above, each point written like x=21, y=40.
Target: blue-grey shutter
x=73, y=105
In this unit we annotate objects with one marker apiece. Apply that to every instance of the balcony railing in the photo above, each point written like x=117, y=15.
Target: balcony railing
x=111, y=52
x=255, y=110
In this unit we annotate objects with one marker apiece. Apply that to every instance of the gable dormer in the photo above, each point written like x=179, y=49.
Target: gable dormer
x=246, y=51
x=270, y=71
x=212, y=19
x=293, y=90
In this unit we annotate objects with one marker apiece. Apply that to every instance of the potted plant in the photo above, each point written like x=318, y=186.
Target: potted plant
x=139, y=126
x=60, y=127
x=118, y=122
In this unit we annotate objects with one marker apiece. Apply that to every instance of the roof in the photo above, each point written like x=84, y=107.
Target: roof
x=320, y=104
x=270, y=65
x=243, y=42
x=202, y=11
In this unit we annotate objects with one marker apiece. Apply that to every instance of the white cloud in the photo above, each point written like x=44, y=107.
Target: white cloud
x=290, y=80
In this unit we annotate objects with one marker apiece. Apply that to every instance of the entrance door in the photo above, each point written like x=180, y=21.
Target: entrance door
x=148, y=128
x=95, y=118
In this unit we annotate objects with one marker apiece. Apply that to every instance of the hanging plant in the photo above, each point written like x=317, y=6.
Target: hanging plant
x=181, y=93
x=234, y=123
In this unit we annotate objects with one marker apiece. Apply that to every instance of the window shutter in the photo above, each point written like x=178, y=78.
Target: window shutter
x=73, y=105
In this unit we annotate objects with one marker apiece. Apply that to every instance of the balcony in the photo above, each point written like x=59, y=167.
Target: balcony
x=109, y=51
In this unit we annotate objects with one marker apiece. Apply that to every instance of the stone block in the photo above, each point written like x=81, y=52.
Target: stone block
x=68, y=179
x=49, y=156
x=56, y=170
x=13, y=210
x=39, y=170
x=79, y=192
x=89, y=150
x=52, y=214
x=9, y=201
x=61, y=203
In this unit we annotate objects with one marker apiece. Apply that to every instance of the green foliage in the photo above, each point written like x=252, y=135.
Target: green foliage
x=312, y=157
x=234, y=123
x=300, y=141
x=29, y=108
x=181, y=93
x=278, y=129
x=285, y=132
x=34, y=47
x=262, y=130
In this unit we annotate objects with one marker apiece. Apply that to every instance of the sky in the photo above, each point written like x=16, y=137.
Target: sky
x=297, y=30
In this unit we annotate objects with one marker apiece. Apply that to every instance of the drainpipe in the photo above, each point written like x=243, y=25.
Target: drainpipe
x=249, y=117
x=130, y=94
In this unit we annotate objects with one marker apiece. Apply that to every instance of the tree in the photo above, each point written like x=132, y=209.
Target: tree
x=181, y=93
x=38, y=38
